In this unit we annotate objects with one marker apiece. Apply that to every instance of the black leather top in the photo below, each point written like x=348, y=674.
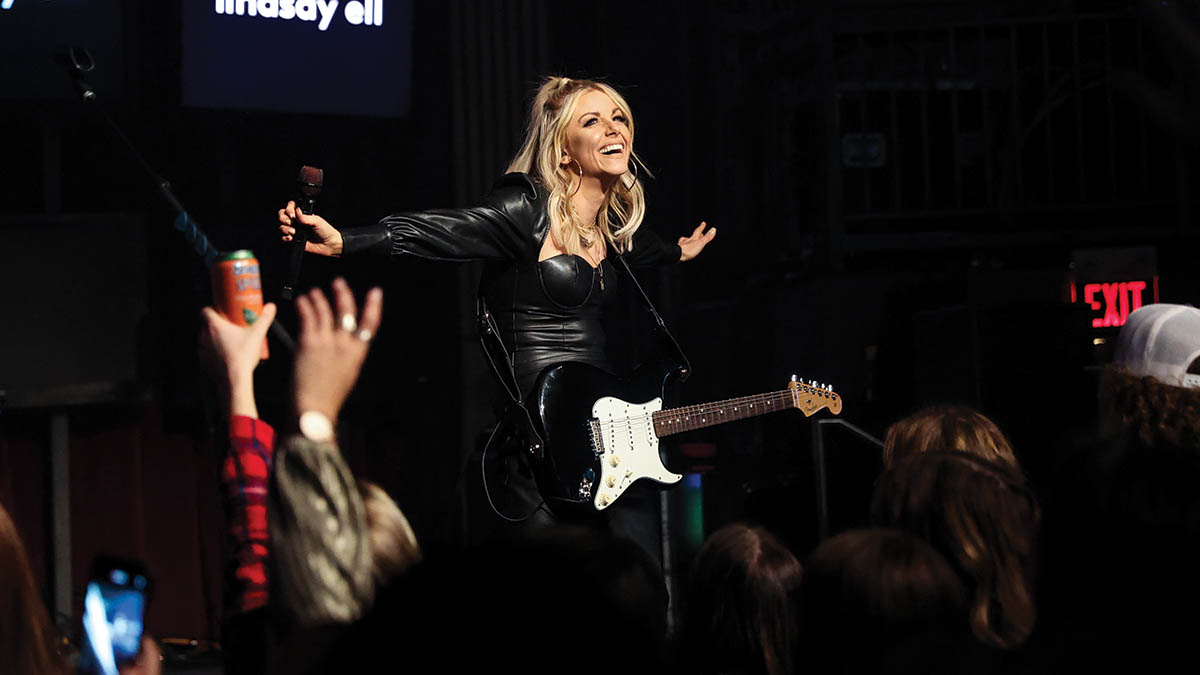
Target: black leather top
x=547, y=312
x=551, y=312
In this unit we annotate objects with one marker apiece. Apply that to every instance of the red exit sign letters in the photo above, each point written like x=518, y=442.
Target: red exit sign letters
x=1113, y=302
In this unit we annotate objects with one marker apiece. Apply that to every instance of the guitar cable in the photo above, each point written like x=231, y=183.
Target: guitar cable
x=487, y=326
x=487, y=491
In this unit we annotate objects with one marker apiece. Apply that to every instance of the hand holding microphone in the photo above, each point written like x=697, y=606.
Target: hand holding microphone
x=317, y=235
x=323, y=238
x=310, y=181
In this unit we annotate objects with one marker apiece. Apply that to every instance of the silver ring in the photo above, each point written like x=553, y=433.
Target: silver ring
x=349, y=323
x=365, y=335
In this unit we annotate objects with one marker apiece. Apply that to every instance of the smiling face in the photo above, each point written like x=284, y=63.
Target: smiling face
x=598, y=136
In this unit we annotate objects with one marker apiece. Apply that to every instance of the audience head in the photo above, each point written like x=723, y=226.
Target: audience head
x=1152, y=390
x=394, y=545
x=879, y=599
x=741, y=605
x=26, y=634
x=947, y=427
x=562, y=599
x=984, y=519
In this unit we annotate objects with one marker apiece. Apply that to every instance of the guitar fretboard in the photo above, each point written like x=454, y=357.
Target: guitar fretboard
x=687, y=418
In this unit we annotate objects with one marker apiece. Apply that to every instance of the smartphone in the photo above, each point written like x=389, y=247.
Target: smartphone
x=114, y=611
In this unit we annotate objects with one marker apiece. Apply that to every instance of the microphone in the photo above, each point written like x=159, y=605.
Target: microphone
x=310, y=181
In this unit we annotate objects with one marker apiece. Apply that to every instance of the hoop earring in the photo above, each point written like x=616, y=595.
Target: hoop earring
x=580, y=184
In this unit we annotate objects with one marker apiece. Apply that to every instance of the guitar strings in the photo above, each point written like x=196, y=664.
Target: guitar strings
x=778, y=395
x=702, y=411
x=746, y=400
x=685, y=418
x=709, y=409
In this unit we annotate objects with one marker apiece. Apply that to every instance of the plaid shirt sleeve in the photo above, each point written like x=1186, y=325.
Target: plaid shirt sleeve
x=244, y=477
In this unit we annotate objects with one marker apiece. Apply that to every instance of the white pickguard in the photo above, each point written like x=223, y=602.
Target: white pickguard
x=628, y=448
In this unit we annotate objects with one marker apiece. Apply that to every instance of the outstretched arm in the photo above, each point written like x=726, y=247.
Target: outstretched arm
x=649, y=249
x=501, y=227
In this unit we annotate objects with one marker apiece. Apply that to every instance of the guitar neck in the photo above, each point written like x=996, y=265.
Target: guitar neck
x=688, y=418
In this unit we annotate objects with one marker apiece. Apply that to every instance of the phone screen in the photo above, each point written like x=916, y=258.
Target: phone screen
x=113, y=610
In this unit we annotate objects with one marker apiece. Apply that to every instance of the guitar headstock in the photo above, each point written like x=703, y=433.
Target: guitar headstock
x=809, y=397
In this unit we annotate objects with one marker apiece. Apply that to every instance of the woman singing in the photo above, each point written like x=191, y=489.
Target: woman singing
x=570, y=200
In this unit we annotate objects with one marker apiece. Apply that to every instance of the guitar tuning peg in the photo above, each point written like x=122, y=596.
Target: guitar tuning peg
x=794, y=378
x=831, y=388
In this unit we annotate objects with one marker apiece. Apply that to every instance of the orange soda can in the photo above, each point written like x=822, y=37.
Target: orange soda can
x=237, y=289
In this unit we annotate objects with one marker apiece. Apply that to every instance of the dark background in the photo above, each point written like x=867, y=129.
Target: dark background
x=900, y=190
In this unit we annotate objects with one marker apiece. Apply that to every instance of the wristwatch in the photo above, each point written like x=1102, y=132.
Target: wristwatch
x=315, y=426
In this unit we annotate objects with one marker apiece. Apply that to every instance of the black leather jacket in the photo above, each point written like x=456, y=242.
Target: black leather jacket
x=547, y=312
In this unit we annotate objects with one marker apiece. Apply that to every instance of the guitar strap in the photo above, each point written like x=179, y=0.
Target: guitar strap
x=494, y=349
x=658, y=320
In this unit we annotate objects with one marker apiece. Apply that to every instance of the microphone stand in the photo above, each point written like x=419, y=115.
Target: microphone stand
x=79, y=63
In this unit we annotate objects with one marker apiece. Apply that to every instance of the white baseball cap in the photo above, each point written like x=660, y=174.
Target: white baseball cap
x=1162, y=341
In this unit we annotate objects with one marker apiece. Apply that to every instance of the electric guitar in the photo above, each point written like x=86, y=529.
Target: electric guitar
x=596, y=443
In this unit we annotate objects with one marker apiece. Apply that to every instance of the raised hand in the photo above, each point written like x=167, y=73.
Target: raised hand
x=332, y=347
x=693, y=245
x=237, y=349
x=148, y=662
x=324, y=239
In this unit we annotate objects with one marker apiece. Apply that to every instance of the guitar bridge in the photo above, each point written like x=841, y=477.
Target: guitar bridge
x=596, y=437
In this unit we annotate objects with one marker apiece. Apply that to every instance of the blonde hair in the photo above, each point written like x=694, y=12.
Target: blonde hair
x=545, y=141
x=394, y=546
x=948, y=427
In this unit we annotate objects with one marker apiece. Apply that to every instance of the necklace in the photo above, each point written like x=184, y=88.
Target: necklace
x=587, y=247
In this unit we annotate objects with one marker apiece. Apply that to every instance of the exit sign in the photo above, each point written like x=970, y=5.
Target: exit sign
x=1113, y=282
x=1111, y=302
